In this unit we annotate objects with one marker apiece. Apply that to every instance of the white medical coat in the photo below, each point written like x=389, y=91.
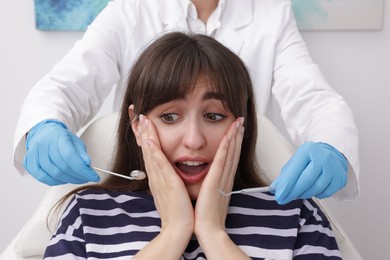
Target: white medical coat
x=263, y=33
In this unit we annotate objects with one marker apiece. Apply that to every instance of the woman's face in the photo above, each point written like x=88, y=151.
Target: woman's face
x=190, y=130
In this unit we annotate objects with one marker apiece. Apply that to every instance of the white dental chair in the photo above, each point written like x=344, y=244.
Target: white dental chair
x=273, y=152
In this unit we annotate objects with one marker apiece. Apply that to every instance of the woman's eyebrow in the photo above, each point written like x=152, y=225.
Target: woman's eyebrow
x=213, y=95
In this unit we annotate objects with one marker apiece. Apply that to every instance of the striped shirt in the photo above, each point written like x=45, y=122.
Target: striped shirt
x=101, y=224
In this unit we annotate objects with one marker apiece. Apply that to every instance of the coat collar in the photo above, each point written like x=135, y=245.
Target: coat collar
x=172, y=15
x=236, y=15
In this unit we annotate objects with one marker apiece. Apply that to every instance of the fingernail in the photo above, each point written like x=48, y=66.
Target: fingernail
x=141, y=118
x=141, y=123
x=237, y=124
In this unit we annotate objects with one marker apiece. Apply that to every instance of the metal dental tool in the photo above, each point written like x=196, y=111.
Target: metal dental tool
x=246, y=191
x=134, y=175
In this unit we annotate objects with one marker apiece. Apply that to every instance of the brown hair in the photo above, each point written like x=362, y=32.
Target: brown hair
x=167, y=70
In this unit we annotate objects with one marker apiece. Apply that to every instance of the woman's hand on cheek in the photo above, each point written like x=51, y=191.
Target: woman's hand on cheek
x=170, y=197
x=211, y=206
x=169, y=192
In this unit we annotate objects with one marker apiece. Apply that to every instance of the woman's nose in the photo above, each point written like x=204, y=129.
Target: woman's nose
x=194, y=136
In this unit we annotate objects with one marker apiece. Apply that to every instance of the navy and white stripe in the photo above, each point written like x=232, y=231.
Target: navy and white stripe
x=99, y=224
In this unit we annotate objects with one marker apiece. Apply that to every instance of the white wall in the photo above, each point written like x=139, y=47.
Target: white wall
x=25, y=55
x=356, y=63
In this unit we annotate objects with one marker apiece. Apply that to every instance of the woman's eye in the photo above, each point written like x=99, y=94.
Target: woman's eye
x=169, y=118
x=214, y=117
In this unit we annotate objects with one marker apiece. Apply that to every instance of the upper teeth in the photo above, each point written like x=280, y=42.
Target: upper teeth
x=191, y=163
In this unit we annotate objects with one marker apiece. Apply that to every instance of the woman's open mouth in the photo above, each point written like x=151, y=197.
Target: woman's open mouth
x=192, y=171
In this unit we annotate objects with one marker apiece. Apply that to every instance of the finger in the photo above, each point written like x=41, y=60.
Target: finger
x=64, y=154
x=152, y=134
x=239, y=139
x=233, y=156
x=339, y=180
x=331, y=189
x=225, y=174
x=320, y=185
x=146, y=131
x=81, y=149
x=145, y=146
x=54, y=171
x=143, y=134
x=219, y=161
x=32, y=166
x=51, y=162
x=310, y=180
x=317, y=188
x=290, y=174
x=160, y=167
x=46, y=178
x=82, y=152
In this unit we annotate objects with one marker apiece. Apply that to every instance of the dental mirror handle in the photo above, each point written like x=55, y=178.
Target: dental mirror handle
x=120, y=175
x=253, y=190
x=247, y=191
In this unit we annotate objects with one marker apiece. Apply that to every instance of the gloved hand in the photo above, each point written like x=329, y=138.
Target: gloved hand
x=316, y=169
x=54, y=155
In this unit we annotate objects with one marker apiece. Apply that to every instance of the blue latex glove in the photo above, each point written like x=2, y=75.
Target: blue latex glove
x=54, y=155
x=315, y=170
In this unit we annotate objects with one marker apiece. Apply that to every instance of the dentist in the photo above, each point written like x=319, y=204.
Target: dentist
x=263, y=33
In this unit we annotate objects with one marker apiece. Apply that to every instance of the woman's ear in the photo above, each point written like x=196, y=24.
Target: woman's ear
x=134, y=124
